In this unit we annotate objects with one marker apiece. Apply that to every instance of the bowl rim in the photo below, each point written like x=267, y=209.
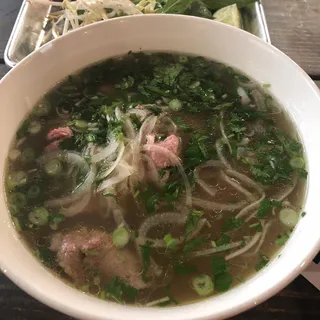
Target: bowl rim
x=146, y=313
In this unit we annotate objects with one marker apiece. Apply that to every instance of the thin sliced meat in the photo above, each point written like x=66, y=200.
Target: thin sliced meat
x=171, y=143
x=62, y=132
x=74, y=257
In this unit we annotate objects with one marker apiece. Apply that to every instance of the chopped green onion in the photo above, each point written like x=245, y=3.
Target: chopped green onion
x=33, y=192
x=170, y=242
x=34, y=127
x=289, y=217
x=27, y=155
x=39, y=216
x=42, y=109
x=203, y=285
x=91, y=137
x=14, y=154
x=81, y=124
x=120, y=237
x=175, y=105
x=213, y=243
x=16, y=179
x=53, y=167
x=18, y=199
x=297, y=163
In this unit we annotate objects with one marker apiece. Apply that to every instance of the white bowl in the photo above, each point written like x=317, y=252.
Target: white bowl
x=26, y=83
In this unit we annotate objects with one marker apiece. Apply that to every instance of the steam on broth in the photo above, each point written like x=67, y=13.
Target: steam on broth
x=156, y=179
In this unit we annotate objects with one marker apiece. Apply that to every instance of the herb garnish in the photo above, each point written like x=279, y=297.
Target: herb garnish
x=221, y=274
x=119, y=290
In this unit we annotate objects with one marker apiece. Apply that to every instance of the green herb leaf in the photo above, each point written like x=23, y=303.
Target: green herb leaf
x=175, y=6
x=189, y=246
x=119, y=289
x=232, y=224
x=146, y=260
x=219, y=265
x=265, y=206
x=223, y=282
x=303, y=214
x=223, y=240
x=264, y=260
x=192, y=221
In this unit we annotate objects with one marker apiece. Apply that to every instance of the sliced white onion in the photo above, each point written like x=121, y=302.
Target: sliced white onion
x=105, y=173
x=76, y=207
x=247, y=247
x=152, y=171
x=244, y=96
x=106, y=152
x=124, y=171
x=146, y=128
x=140, y=113
x=78, y=193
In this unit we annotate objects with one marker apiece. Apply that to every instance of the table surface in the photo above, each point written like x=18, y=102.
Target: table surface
x=294, y=27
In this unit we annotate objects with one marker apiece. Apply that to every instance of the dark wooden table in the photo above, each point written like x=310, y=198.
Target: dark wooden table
x=294, y=28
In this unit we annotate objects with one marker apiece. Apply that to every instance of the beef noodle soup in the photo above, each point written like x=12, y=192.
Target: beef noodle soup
x=156, y=179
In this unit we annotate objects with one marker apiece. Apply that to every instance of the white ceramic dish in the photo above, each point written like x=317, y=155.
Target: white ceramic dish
x=39, y=72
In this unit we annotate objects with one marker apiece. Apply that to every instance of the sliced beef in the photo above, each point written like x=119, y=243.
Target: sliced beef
x=82, y=249
x=161, y=160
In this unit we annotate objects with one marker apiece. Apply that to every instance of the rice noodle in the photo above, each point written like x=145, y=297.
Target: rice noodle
x=258, y=99
x=247, y=247
x=167, y=218
x=158, y=301
x=245, y=179
x=156, y=220
x=287, y=191
x=263, y=236
x=215, y=206
x=224, y=136
x=76, y=207
x=208, y=252
x=206, y=187
x=105, y=173
x=106, y=152
x=253, y=206
x=238, y=187
x=173, y=159
x=219, y=149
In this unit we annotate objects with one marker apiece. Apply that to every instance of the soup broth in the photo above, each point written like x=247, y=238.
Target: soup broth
x=156, y=179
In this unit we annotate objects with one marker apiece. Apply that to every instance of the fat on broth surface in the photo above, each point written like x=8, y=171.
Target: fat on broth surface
x=156, y=179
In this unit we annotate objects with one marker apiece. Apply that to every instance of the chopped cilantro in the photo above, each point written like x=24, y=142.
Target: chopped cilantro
x=119, y=290
x=232, y=224
x=265, y=206
x=189, y=246
x=264, y=260
x=221, y=274
x=192, y=221
x=303, y=214
x=223, y=240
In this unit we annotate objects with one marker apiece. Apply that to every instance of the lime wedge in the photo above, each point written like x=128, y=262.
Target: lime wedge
x=229, y=15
